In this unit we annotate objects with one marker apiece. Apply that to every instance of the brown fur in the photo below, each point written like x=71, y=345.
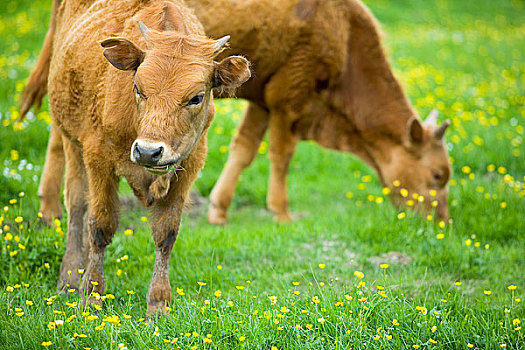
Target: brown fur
x=98, y=117
x=322, y=74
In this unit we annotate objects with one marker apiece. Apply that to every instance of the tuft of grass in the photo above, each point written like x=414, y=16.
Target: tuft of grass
x=351, y=271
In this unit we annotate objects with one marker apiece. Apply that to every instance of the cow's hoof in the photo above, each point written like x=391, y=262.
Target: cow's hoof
x=91, y=302
x=283, y=217
x=70, y=274
x=156, y=308
x=68, y=283
x=216, y=216
x=48, y=218
x=49, y=212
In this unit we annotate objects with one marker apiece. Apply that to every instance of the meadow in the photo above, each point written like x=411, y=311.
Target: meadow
x=351, y=271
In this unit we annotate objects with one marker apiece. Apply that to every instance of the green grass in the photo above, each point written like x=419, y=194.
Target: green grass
x=464, y=57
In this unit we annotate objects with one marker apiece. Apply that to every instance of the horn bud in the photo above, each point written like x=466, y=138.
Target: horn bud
x=432, y=118
x=220, y=44
x=146, y=33
x=440, y=130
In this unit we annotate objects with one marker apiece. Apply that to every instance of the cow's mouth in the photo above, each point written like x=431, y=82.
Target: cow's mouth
x=162, y=169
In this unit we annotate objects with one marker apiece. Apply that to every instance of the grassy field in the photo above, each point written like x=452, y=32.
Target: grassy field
x=351, y=271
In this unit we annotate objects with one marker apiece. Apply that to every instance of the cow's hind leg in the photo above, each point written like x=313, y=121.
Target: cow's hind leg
x=102, y=222
x=282, y=148
x=76, y=204
x=51, y=181
x=242, y=152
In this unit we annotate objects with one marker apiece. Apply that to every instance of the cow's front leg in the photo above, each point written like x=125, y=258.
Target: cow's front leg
x=282, y=148
x=243, y=150
x=167, y=213
x=102, y=224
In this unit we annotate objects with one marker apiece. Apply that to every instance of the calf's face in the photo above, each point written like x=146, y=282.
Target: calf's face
x=172, y=85
x=419, y=169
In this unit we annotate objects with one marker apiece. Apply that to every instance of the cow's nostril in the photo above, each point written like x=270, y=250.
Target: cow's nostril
x=136, y=152
x=147, y=156
x=157, y=154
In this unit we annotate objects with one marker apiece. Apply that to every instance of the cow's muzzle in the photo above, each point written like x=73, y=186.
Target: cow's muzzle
x=155, y=157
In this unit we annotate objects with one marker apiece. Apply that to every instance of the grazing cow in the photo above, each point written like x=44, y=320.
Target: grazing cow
x=138, y=107
x=322, y=75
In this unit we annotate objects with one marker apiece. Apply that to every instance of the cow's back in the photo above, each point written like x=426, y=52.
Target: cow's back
x=269, y=32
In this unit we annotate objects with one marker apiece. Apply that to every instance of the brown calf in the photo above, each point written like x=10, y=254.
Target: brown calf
x=322, y=74
x=142, y=115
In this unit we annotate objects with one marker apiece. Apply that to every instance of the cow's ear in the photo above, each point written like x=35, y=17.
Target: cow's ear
x=122, y=53
x=415, y=131
x=231, y=73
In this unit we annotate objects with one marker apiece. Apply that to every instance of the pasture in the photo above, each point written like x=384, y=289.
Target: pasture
x=351, y=271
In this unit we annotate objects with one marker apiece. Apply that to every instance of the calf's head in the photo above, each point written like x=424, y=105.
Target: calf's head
x=418, y=169
x=172, y=83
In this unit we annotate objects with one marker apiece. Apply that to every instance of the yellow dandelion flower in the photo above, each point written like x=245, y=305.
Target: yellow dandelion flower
x=487, y=292
x=511, y=287
x=384, y=266
x=46, y=344
x=217, y=293
x=359, y=274
x=395, y=322
x=130, y=292
x=202, y=284
x=422, y=309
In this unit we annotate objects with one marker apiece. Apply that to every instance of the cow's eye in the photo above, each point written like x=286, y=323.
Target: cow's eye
x=196, y=100
x=138, y=94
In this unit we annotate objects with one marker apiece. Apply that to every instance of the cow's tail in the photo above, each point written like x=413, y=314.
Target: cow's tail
x=36, y=87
